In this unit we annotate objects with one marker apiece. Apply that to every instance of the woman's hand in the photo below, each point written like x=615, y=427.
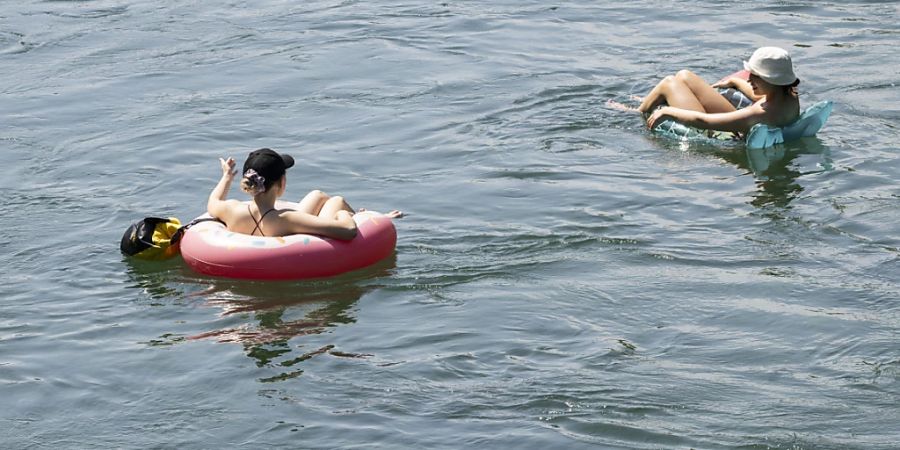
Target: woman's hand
x=657, y=117
x=725, y=84
x=227, y=167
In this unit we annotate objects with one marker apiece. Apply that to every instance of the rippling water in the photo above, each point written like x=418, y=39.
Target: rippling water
x=563, y=278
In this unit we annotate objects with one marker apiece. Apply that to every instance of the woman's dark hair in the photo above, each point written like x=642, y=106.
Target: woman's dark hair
x=791, y=89
x=262, y=169
x=254, y=184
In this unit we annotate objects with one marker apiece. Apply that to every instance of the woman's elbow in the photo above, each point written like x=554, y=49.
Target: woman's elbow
x=705, y=123
x=346, y=226
x=345, y=231
x=343, y=234
x=701, y=121
x=217, y=208
x=351, y=232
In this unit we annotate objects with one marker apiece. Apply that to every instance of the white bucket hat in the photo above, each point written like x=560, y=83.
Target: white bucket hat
x=773, y=65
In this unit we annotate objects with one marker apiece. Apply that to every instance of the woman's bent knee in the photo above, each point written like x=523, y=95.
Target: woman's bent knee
x=685, y=75
x=317, y=194
x=672, y=83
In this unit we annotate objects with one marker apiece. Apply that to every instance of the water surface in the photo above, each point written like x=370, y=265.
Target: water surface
x=563, y=279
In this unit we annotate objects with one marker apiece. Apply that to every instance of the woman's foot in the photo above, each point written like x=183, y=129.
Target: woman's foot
x=620, y=106
x=393, y=214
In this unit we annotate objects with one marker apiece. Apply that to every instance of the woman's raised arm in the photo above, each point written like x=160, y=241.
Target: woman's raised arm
x=217, y=206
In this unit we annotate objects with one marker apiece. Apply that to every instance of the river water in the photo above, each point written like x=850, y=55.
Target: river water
x=563, y=278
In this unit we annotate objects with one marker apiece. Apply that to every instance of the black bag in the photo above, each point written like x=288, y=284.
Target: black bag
x=156, y=238
x=153, y=238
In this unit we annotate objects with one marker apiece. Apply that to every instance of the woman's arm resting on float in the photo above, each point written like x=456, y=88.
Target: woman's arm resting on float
x=741, y=85
x=342, y=226
x=745, y=88
x=217, y=206
x=739, y=121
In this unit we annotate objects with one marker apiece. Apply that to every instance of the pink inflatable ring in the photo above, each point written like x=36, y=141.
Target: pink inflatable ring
x=210, y=249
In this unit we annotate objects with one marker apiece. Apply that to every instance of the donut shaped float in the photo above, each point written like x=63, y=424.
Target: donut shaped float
x=209, y=248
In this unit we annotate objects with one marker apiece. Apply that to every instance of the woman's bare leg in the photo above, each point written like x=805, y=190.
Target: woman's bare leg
x=623, y=107
x=337, y=203
x=675, y=93
x=393, y=214
x=709, y=97
x=313, y=202
x=333, y=205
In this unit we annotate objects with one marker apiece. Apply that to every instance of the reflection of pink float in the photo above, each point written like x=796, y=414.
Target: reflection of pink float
x=210, y=249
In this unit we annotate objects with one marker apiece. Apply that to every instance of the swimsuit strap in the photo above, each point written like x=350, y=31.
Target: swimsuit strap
x=258, y=222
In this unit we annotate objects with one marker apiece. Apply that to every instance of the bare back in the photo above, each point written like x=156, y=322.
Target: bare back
x=246, y=218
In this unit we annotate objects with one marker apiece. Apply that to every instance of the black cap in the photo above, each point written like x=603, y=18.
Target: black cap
x=269, y=164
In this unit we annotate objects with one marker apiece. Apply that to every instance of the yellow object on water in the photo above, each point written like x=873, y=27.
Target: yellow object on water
x=152, y=238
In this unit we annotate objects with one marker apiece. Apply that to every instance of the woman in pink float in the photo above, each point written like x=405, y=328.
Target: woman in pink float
x=264, y=178
x=691, y=101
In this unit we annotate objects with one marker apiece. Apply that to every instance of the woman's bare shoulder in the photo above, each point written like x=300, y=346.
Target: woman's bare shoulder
x=228, y=208
x=780, y=115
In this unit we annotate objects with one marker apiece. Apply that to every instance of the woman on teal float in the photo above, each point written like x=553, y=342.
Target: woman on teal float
x=691, y=101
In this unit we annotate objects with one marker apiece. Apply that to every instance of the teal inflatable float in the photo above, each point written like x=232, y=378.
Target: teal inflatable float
x=809, y=123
